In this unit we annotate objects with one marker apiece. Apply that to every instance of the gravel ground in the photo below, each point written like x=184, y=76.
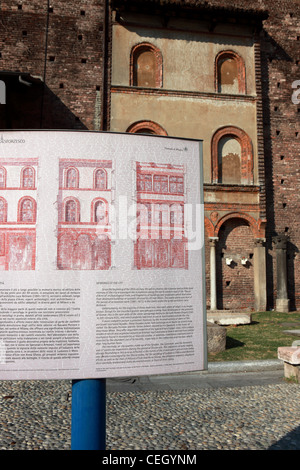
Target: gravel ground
x=37, y=415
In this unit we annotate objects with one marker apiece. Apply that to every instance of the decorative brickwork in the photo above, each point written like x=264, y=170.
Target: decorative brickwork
x=146, y=127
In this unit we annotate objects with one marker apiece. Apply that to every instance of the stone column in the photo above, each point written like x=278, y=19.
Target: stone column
x=213, y=273
x=260, y=275
x=282, y=300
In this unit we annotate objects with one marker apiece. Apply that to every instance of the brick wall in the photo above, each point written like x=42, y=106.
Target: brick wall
x=62, y=44
x=280, y=58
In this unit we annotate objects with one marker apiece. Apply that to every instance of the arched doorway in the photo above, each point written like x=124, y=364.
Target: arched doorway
x=235, y=265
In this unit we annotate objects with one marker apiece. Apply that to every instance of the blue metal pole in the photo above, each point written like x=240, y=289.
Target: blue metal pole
x=88, y=429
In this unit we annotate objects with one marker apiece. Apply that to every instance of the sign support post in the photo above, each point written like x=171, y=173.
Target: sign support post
x=88, y=414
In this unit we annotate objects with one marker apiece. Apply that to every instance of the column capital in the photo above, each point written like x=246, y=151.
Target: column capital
x=259, y=242
x=213, y=241
x=280, y=241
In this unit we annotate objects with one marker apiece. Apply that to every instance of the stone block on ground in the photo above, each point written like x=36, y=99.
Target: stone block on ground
x=229, y=317
x=292, y=332
x=216, y=338
x=289, y=354
x=291, y=358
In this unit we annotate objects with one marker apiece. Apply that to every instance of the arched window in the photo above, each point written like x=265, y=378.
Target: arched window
x=100, y=180
x=3, y=210
x=27, y=210
x=229, y=160
x=2, y=177
x=28, y=178
x=146, y=66
x=71, y=178
x=99, y=211
x=230, y=73
x=72, y=211
x=232, y=156
x=146, y=127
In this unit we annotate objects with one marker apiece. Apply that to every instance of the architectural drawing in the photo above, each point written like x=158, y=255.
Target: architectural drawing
x=84, y=230
x=18, y=214
x=160, y=192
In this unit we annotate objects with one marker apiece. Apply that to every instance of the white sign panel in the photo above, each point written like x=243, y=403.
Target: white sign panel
x=101, y=255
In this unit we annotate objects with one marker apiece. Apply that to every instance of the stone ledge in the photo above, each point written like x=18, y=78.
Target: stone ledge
x=289, y=354
x=291, y=358
x=292, y=332
x=229, y=317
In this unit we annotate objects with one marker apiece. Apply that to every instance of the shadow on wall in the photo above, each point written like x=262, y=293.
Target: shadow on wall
x=292, y=251
x=30, y=104
x=270, y=51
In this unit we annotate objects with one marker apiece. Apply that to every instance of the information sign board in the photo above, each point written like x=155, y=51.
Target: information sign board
x=101, y=255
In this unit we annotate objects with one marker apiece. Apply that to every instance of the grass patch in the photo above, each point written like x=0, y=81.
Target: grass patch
x=260, y=339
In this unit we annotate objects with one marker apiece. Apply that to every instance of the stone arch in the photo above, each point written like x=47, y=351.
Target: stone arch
x=253, y=224
x=235, y=262
x=146, y=127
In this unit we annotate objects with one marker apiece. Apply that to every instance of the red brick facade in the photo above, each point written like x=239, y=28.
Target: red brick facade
x=56, y=62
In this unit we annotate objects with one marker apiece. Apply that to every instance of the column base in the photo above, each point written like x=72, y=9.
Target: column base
x=282, y=305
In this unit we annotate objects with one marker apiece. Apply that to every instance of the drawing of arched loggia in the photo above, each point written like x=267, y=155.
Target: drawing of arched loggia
x=84, y=228
x=18, y=213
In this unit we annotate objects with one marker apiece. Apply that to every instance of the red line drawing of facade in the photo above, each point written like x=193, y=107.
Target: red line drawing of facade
x=18, y=214
x=160, y=192
x=84, y=228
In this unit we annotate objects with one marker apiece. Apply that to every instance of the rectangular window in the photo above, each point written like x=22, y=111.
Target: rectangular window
x=176, y=184
x=144, y=182
x=160, y=184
